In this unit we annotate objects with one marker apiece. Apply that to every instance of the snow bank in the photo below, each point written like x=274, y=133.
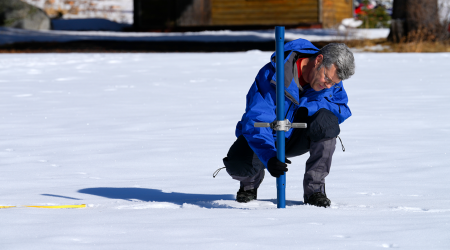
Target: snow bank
x=88, y=24
x=9, y=35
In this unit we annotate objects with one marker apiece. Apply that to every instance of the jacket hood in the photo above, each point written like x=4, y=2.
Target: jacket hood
x=300, y=45
x=292, y=51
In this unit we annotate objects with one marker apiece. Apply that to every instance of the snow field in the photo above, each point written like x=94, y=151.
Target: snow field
x=138, y=136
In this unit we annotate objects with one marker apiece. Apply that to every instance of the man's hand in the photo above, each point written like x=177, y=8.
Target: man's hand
x=276, y=167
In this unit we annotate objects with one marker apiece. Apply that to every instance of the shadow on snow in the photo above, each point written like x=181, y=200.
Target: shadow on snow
x=61, y=196
x=155, y=195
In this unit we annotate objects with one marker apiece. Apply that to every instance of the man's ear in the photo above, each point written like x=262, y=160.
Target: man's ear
x=319, y=60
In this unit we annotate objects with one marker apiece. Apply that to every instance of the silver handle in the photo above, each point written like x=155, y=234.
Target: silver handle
x=298, y=125
x=262, y=125
x=280, y=125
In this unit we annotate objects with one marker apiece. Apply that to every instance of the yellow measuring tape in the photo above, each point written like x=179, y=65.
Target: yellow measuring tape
x=53, y=207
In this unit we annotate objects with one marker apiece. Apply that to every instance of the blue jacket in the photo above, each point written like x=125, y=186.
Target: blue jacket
x=261, y=101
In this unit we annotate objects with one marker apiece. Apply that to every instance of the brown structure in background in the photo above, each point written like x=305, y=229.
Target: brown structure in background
x=170, y=15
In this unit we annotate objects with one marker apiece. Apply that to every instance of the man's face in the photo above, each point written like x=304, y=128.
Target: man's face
x=323, y=78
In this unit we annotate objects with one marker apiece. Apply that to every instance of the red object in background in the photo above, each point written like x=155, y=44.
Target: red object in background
x=359, y=11
x=448, y=27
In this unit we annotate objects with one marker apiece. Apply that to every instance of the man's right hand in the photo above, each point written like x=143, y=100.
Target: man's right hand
x=276, y=167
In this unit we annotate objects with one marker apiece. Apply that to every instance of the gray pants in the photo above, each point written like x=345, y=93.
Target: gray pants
x=317, y=168
x=319, y=139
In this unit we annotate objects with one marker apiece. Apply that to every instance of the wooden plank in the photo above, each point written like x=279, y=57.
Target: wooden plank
x=274, y=18
x=267, y=20
x=257, y=12
x=294, y=17
x=263, y=12
x=256, y=5
x=337, y=4
x=268, y=16
x=266, y=11
x=334, y=11
x=244, y=3
x=263, y=22
x=274, y=7
x=244, y=8
x=264, y=1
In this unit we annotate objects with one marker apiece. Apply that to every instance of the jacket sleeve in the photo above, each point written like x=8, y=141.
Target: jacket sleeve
x=334, y=99
x=338, y=103
x=259, y=109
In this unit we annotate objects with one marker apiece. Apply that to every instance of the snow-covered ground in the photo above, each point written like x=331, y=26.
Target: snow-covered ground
x=137, y=137
x=10, y=35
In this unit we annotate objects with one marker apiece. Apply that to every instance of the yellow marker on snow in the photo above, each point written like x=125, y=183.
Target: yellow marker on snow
x=7, y=206
x=60, y=206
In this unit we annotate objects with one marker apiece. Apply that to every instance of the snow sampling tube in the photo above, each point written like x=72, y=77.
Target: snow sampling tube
x=279, y=50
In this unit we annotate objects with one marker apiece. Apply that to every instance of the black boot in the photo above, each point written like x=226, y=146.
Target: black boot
x=318, y=200
x=246, y=196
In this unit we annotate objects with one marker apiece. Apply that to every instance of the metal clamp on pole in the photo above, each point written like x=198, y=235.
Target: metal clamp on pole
x=284, y=125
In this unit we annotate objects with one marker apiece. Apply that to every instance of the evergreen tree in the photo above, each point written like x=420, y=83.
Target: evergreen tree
x=373, y=17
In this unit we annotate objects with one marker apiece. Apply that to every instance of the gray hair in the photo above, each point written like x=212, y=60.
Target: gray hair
x=342, y=58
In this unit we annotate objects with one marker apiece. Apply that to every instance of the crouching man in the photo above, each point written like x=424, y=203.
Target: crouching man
x=314, y=94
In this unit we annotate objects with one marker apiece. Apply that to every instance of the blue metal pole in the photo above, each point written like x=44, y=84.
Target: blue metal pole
x=281, y=181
